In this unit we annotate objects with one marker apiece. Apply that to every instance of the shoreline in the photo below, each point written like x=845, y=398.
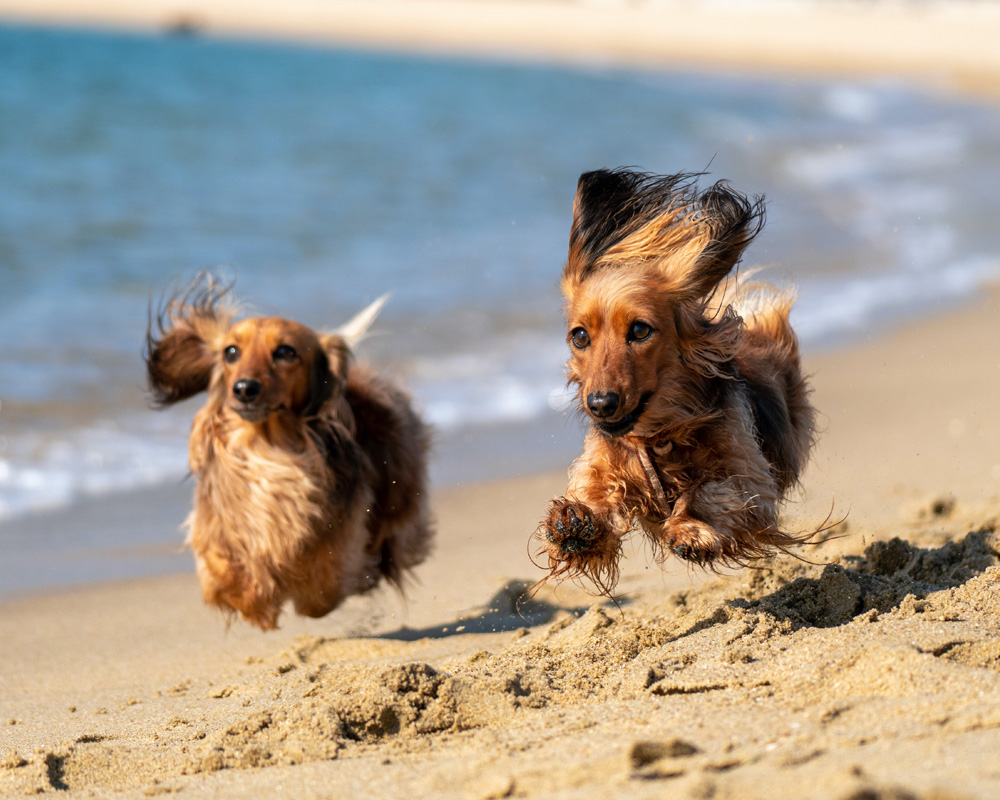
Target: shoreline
x=847, y=39
x=442, y=28
x=136, y=535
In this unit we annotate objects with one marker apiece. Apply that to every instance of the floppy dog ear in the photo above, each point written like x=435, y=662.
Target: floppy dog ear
x=322, y=383
x=182, y=339
x=334, y=359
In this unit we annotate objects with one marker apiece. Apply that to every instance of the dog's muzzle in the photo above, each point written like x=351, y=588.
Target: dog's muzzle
x=247, y=392
x=603, y=406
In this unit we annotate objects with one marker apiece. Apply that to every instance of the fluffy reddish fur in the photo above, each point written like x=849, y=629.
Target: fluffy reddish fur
x=699, y=415
x=312, y=484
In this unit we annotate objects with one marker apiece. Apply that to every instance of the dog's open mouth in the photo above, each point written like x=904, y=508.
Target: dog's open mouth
x=625, y=424
x=252, y=413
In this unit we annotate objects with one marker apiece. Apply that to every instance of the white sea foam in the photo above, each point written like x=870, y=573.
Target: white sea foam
x=835, y=310
x=853, y=103
x=889, y=150
x=508, y=384
x=47, y=470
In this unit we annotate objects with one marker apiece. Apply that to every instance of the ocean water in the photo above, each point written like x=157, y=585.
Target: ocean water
x=320, y=179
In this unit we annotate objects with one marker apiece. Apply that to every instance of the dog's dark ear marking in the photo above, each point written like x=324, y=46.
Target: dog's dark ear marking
x=734, y=220
x=604, y=205
x=330, y=367
x=611, y=205
x=322, y=382
x=179, y=362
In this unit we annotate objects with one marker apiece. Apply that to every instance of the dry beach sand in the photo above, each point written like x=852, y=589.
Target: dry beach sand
x=873, y=672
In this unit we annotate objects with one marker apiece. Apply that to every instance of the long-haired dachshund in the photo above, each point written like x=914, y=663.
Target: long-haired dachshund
x=311, y=468
x=699, y=415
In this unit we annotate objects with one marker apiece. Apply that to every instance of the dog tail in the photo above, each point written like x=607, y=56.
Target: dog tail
x=770, y=358
x=354, y=331
x=763, y=307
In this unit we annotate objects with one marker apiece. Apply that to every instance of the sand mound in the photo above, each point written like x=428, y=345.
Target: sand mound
x=791, y=667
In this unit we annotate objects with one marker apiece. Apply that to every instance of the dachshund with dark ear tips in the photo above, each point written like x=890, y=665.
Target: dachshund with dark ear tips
x=700, y=420
x=311, y=467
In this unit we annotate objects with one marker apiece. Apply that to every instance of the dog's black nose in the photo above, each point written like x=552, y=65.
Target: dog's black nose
x=602, y=404
x=247, y=390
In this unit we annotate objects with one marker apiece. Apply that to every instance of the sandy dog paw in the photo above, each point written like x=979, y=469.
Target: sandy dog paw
x=571, y=528
x=579, y=542
x=694, y=541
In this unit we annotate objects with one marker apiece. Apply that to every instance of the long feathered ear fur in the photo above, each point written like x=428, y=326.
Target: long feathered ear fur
x=622, y=217
x=182, y=339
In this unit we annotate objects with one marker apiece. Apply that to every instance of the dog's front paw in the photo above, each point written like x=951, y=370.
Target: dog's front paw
x=693, y=540
x=579, y=542
x=570, y=528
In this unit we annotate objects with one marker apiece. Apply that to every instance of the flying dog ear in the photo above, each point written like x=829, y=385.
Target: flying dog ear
x=183, y=338
x=621, y=217
x=609, y=207
x=602, y=208
x=731, y=221
x=353, y=332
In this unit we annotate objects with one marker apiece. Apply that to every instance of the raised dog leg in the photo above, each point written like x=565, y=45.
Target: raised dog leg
x=724, y=521
x=583, y=530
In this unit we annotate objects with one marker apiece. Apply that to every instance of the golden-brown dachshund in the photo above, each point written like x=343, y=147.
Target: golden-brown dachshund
x=312, y=468
x=700, y=419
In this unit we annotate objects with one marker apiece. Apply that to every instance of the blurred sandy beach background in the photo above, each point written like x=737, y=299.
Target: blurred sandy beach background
x=326, y=152
x=950, y=42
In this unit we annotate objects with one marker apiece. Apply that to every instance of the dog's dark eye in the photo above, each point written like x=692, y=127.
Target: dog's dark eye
x=639, y=331
x=284, y=352
x=231, y=354
x=579, y=337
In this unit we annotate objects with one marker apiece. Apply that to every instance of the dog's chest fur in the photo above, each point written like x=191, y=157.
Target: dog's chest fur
x=669, y=464
x=255, y=499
